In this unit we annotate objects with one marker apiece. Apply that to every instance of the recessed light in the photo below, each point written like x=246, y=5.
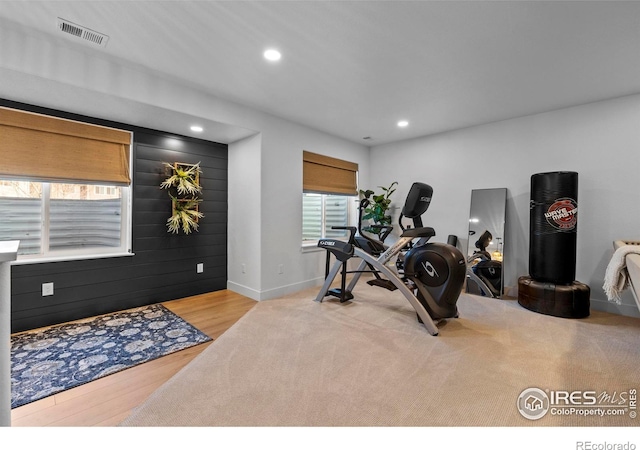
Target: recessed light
x=403, y=123
x=272, y=55
x=197, y=128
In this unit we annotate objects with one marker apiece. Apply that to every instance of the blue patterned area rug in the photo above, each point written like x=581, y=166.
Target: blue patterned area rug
x=53, y=359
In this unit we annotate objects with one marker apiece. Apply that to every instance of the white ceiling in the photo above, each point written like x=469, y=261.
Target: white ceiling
x=353, y=69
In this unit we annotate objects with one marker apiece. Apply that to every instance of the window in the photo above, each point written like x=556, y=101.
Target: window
x=320, y=212
x=64, y=186
x=64, y=219
x=329, y=188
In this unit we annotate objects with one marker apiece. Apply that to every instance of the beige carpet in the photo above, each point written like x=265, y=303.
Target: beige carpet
x=295, y=362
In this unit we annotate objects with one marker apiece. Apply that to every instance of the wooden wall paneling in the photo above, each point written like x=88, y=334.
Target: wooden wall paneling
x=163, y=266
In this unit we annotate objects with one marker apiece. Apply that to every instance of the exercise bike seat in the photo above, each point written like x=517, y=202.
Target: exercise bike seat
x=422, y=232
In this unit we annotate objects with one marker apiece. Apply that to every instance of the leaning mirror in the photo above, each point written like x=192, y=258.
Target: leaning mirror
x=485, y=246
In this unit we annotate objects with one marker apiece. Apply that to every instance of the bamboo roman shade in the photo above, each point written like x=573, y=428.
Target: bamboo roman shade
x=329, y=175
x=38, y=147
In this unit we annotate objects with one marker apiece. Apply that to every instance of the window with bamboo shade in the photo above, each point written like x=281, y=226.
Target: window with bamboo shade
x=38, y=147
x=64, y=186
x=327, y=175
x=328, y=187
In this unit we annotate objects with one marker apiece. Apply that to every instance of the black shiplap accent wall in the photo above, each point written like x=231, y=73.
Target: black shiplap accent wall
x=163, y=266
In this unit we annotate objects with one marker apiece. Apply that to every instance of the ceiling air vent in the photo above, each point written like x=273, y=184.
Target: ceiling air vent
x=84, y=33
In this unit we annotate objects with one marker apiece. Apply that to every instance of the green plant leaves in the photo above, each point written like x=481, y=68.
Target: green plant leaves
x=378, y=206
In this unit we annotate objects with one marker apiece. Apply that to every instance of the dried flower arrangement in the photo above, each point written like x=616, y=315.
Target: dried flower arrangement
x=184, y=187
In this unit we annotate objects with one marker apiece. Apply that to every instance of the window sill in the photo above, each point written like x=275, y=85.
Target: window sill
x=310, y=247
x=51, y=259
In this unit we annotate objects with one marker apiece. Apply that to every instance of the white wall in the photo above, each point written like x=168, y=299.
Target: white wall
x=265, y=207
x=244, y=211
x=281, y=199
x=600, y=141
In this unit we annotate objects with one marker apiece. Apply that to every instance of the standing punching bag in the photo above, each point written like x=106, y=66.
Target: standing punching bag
x=553, y=220
x=550, y=287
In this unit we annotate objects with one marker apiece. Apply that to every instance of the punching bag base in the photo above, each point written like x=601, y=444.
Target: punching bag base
x=569, y=301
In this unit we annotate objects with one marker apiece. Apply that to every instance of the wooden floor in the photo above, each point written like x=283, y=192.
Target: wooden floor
x=109, y=400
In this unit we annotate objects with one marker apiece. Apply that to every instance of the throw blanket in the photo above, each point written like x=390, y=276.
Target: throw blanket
x=616, y=278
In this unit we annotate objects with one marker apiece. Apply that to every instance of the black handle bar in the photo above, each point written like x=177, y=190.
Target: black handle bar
x=352, y=232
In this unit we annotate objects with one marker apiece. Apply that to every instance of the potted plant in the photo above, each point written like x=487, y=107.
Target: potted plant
x=377, y=208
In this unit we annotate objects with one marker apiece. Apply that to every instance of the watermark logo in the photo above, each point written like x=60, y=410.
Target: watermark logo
x=534, y=403
x=590, y=445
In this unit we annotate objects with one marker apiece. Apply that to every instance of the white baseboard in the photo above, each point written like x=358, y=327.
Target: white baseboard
x=243, y=290
x=630, y=310
x=510, y=291
x=275, y=292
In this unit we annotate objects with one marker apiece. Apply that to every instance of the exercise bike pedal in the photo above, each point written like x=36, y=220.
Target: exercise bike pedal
x=337, y=292
x=383, y=284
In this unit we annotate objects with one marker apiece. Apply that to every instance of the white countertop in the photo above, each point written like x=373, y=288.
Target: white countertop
x=8, y=250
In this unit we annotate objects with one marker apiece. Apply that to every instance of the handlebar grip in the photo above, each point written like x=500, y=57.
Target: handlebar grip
x=352, y=232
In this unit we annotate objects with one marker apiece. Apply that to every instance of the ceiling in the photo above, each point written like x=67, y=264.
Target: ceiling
x=354, y=69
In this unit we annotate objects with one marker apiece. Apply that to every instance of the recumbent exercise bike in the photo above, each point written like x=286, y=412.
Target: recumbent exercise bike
x=433, y=273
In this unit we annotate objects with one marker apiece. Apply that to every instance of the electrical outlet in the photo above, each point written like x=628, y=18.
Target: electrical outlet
x=47, y=289
x=244, y=268
x=281, y=268
x=200, y=267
